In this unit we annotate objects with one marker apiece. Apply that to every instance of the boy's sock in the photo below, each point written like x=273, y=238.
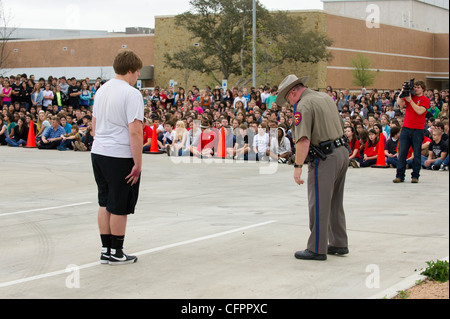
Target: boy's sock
x=106, y=240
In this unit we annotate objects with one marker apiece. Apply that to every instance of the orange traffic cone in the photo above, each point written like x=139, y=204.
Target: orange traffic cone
x=221, y=148
x=154, y=149
x=381, y=157
x=31, y=140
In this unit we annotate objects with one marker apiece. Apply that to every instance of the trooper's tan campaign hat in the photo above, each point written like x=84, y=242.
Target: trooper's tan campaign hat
x=288, y=83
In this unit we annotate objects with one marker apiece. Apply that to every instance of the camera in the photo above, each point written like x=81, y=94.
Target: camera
x=408, y=88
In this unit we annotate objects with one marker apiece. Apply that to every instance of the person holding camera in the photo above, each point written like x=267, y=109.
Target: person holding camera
x=318, y=131
x=412, y=133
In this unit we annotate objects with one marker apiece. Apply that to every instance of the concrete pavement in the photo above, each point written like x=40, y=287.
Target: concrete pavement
x=209, y=230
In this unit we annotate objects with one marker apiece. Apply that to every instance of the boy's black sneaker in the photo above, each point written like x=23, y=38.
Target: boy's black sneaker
x=104, y=257
x=118, y=257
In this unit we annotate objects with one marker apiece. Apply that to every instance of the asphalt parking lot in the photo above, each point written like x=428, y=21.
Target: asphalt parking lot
x=222, y=230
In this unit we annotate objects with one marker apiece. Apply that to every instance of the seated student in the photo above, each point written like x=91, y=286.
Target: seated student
x=168, y=137
x=371, y=149
x=4, y=134
x=86, y=140
x=20, y=134
x=41, y=125
x=83, y=126
x=280, y=147
x=261, y=142
x=68, y=140
x=10, y=124
x=67, y=127
x=355, y=147
x=208, y=141
x=425, y=146
x=437, y=152
x=444, y=166
x=241, y=147
x=441, y=126
x=147, y=133
x=230, y=141
x=181, y=142
x=391, y=147
x=194, y=136
x=52, y=136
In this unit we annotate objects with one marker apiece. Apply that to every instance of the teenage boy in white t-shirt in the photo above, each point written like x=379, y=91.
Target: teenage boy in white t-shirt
x=261, y=142
x=118, y=114
x=48, y=97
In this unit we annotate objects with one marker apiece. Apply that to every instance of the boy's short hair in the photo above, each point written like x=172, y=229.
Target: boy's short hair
x=439, y=125
x=75, y=127
x=395, y=130
x=126, y=61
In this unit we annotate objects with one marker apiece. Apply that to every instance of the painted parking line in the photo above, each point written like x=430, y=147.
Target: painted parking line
x=145, y=252
x=44, y=209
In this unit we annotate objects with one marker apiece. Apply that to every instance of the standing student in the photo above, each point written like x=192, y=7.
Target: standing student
x=412, y=133
x=116, y=153
x=6, y=93
x=47, y=97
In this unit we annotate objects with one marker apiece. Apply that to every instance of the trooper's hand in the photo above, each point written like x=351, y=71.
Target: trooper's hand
x=298, y=176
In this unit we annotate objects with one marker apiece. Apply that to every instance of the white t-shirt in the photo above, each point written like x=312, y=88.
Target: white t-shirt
x=46, y=102
x=264, y=97
x=261, y=142
x=116, y=105
x=242, y=99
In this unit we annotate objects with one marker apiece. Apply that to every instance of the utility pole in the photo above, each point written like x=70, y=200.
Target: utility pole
x=254, y=44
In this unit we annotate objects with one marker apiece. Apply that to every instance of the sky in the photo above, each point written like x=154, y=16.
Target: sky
x=112, y=15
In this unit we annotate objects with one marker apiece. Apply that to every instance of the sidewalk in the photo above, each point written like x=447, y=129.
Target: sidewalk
x=202, y=231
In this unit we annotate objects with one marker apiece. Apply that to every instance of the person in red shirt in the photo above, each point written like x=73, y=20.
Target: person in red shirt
x=412, y=132
x=208, y=141
x=147, y=135
x=371, y=149
x=355, y=146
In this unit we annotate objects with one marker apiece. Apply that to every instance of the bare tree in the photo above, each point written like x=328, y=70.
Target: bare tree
x=5, y=35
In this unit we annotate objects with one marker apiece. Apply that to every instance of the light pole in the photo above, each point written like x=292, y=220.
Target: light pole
x=254, y=44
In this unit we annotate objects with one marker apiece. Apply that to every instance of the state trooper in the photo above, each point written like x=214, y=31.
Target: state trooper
x=318, y=132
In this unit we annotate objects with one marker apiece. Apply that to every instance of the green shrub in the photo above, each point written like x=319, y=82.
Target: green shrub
x=437, y=271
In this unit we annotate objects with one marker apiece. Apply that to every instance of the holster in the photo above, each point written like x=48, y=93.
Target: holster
x=324, y=149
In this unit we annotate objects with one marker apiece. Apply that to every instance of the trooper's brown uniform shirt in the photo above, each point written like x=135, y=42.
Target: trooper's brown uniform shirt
x=316, y=117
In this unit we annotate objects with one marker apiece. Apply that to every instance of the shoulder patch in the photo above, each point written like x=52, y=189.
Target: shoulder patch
x=298, y=118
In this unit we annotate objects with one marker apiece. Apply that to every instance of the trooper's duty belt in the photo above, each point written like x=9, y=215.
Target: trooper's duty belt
x=324, y=149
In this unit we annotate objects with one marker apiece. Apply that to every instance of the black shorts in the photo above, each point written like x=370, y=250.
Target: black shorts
x=114, y=193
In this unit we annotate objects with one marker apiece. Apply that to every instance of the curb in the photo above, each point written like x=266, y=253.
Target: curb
x=405, y=284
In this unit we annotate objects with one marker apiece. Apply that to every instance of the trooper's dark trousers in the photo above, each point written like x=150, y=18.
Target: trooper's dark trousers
x=326, y=181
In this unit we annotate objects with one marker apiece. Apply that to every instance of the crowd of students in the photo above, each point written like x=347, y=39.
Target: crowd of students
x=197, y=122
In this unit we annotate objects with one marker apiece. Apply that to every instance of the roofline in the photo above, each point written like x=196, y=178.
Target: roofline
x=109, y=36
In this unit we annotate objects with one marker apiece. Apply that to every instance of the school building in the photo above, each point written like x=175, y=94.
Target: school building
x=403, y=39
